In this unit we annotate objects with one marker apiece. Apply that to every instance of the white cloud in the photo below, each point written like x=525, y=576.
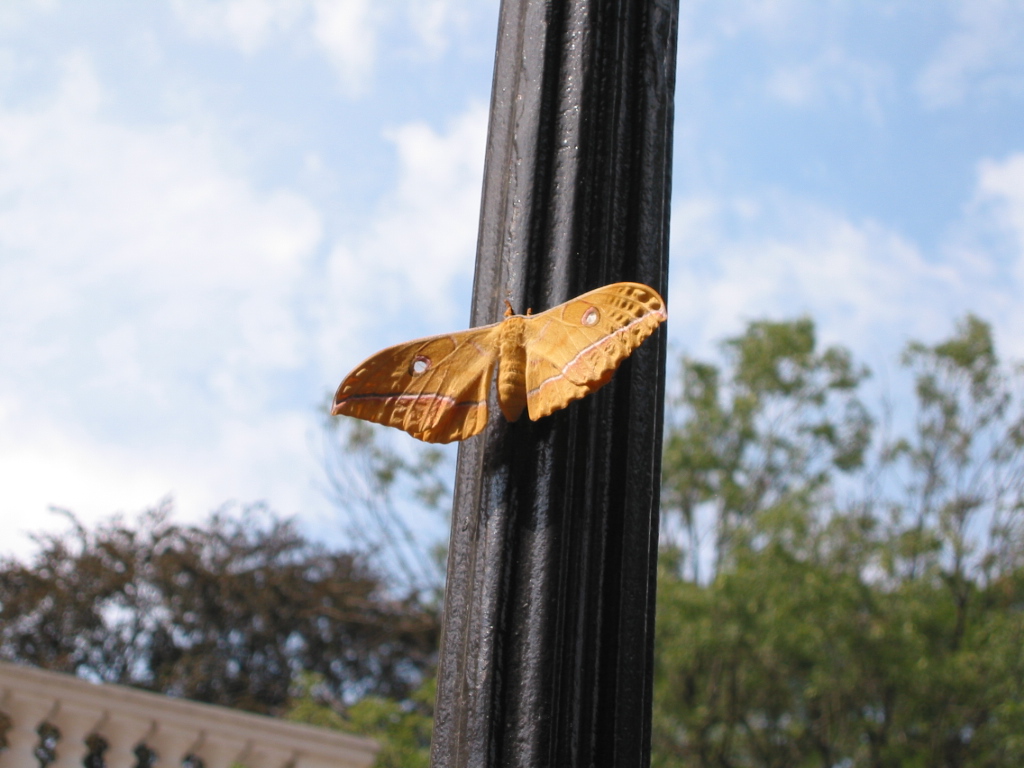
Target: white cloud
x=418, y=252
x=14, y=12
x=1001, y=185
x=985, y=53
x=45, y=467
x=346, y=32
x=767, y=18
x=148, y=302
x=157, y=310
x=803, y=53
x=433, y=21
x=432, y=222
x=990, y=241
x=706, y=28
x=246, y=24
x=866, y=286
x=832, y=75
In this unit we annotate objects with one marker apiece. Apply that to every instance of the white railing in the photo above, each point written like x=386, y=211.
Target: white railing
x=173, y=728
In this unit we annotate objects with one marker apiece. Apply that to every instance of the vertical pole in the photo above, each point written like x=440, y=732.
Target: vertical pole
x=547, y=639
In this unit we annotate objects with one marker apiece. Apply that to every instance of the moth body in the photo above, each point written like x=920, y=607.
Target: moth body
x=512, y=367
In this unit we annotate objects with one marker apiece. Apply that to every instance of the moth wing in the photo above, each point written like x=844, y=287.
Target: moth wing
x=433, y=388
x=573, y=349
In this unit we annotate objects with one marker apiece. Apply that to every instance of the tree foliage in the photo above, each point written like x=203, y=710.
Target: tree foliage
x=388, y=499
x=838, y=587
x=864, y=605
x=776, y=430
x=229, y=612
x=402, y=728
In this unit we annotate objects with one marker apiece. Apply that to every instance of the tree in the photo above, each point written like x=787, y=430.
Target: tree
x=388, y=499
x=771, y=434
x=877, y=626
x=962, y=470
x=229, y=612
x=402, y=728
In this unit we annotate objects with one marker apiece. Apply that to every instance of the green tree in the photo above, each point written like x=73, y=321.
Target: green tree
x=771, y=434
x=961, y=470
x=402, y=728
x=388, y=500
x=228, y=612
x=875, y=628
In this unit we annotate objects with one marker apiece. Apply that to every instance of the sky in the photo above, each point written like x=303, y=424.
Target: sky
x=211, y=210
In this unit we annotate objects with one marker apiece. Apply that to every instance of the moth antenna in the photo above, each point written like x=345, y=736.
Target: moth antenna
x=508, y=308
x=529, y=311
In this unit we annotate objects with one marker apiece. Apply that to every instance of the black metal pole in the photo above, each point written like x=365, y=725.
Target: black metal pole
x=546, y=650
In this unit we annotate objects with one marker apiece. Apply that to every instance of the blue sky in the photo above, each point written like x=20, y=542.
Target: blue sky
x=211, y=211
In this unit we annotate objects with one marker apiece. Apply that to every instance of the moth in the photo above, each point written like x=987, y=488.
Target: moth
x=436, y=388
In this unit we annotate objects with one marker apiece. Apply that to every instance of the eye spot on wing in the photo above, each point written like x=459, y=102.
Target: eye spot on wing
x=591, y=316
x=419, y=365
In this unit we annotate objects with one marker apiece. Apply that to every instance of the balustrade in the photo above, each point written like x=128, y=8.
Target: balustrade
x=174, y=729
